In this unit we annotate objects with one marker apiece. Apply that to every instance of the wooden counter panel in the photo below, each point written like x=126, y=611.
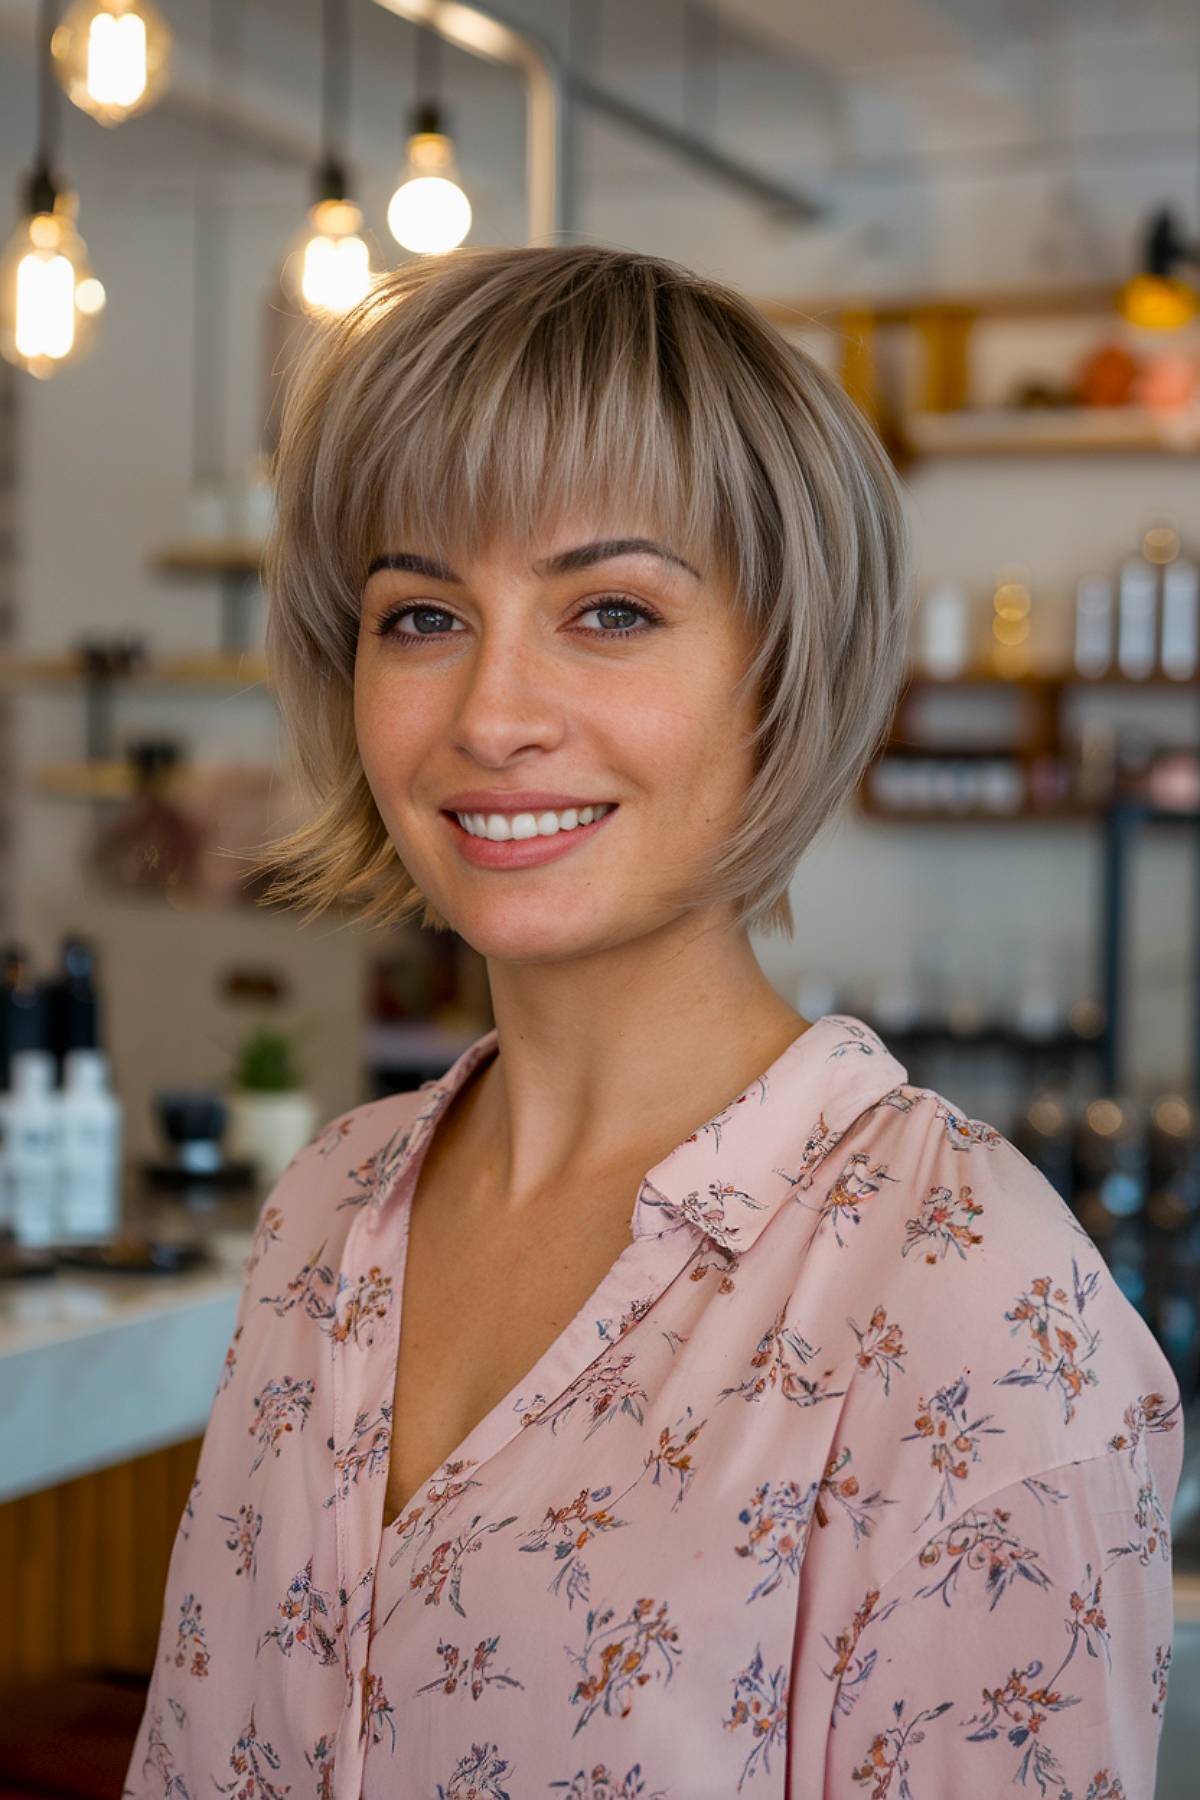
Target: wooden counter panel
x=86, y=1562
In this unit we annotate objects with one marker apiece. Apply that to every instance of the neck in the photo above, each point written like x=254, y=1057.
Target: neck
x=604, y=1071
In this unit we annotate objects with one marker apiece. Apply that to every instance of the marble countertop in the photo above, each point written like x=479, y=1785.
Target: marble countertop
x=96, y=1368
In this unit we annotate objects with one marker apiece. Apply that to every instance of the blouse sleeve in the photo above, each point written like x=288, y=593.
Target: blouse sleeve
x=194, y=1640
x=1025, y=1647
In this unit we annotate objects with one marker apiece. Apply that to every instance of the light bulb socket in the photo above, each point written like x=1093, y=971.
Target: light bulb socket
x=330, y=181
x=40, y=190
x=427, y=117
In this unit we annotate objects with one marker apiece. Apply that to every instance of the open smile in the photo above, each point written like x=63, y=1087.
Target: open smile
x=523, y=852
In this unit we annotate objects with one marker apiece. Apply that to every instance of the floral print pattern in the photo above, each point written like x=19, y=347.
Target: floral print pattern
x=853, y=1476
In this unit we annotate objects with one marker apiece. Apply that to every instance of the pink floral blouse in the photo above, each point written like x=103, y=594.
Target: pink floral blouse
x=851, y=1477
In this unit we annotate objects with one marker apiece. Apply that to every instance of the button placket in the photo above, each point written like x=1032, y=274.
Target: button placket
x=359, y=1385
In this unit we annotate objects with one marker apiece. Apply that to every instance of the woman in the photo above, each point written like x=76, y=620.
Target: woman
x=672, y=1399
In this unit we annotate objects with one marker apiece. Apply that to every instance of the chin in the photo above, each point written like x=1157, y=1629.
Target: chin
x=516, y=934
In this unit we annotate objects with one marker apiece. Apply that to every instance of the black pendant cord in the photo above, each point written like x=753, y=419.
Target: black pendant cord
x=42, y=187
x=427, y=109
x=210, y=250
x=332, y=180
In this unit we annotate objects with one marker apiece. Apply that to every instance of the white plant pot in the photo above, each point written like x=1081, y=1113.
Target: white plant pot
x=269, y=1129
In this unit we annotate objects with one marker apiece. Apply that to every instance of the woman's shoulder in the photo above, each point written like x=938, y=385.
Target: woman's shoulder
x=989, y=1339
x=970, y=1198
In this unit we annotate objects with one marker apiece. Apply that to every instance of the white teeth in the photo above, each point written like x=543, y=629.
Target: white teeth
x=501, y=826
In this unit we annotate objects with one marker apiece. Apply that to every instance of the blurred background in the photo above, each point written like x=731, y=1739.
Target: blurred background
x=984, y=217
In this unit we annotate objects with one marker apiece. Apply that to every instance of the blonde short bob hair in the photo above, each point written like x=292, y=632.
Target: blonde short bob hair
x=489, y=391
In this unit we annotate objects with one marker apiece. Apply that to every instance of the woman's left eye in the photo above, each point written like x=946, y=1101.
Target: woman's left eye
x=617, y=603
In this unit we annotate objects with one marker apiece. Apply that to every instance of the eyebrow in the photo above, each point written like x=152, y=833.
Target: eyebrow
x=563, y=563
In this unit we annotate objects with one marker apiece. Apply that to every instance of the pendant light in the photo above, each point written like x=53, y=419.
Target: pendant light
x=330, y=270
x=49, y=297
x=112, y=57
x=429, y=212
x=1156, y=298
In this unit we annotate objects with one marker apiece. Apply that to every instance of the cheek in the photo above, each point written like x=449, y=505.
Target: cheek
x=390, y=724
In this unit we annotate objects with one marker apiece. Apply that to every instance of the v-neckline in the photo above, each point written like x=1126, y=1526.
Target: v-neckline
x=500, y=1424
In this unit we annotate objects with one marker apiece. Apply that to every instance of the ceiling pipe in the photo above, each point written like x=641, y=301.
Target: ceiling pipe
x=551, y=91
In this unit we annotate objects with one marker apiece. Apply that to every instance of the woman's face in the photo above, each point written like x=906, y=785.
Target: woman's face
x=505, y=675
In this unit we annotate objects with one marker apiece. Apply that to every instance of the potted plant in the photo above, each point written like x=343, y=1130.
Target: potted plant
x=271, y=1115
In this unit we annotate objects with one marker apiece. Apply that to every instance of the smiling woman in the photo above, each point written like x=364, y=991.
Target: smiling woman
x=490, y=398
x=672, y=1396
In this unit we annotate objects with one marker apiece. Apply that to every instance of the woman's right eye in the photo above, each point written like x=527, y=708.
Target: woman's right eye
x=391, y=618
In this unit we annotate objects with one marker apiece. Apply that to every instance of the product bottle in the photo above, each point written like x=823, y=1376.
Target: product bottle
x=1137, y=620
x=73, y=1003
x=33, y=1148
x=1180, y=619
x=942, y=630
x=23, y=1008
x=90, y=1116
x=1093, y=625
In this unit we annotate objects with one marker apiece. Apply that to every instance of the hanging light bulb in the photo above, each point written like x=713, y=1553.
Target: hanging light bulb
x=49, y=297
x=112, y=57
x=429, y=212
x=334, y=260
x=328, y=269
x=48, y=294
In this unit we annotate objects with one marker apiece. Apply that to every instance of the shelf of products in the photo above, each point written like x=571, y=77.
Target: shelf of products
x=1113, y=399
x=235, y=561
x=109, y=780
x=100, y=666
x=1029, y=431
x=1036, y=771
x=219, y=669
x=1039, y=679
x=209, y=556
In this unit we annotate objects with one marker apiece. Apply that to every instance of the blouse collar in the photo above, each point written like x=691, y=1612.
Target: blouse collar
x=730, y=1175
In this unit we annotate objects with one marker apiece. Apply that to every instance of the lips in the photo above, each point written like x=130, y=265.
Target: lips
x=515, y=800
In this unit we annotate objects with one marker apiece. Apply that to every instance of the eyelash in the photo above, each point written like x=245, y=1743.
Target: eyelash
x=609, y=603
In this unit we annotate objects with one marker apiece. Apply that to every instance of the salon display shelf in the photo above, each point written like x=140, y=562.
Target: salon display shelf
x=238, y=669
x=234, y=562
x=1040, y=679
x=209, y=556
x=1082, y=301
x=1026, y=431
x=104, y=780
x=977, y=815
x=921, y=401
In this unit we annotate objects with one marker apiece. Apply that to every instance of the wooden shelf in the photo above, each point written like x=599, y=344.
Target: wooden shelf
x=989, y=303
x=977, y=815
x=106, y=780
x=219, y=669
x=203, y=556
x=1050, y=678
x=939, y=419
x=1009, y=431
x=1021, y=815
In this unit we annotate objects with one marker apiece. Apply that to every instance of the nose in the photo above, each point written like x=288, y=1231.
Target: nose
x=511, y=697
